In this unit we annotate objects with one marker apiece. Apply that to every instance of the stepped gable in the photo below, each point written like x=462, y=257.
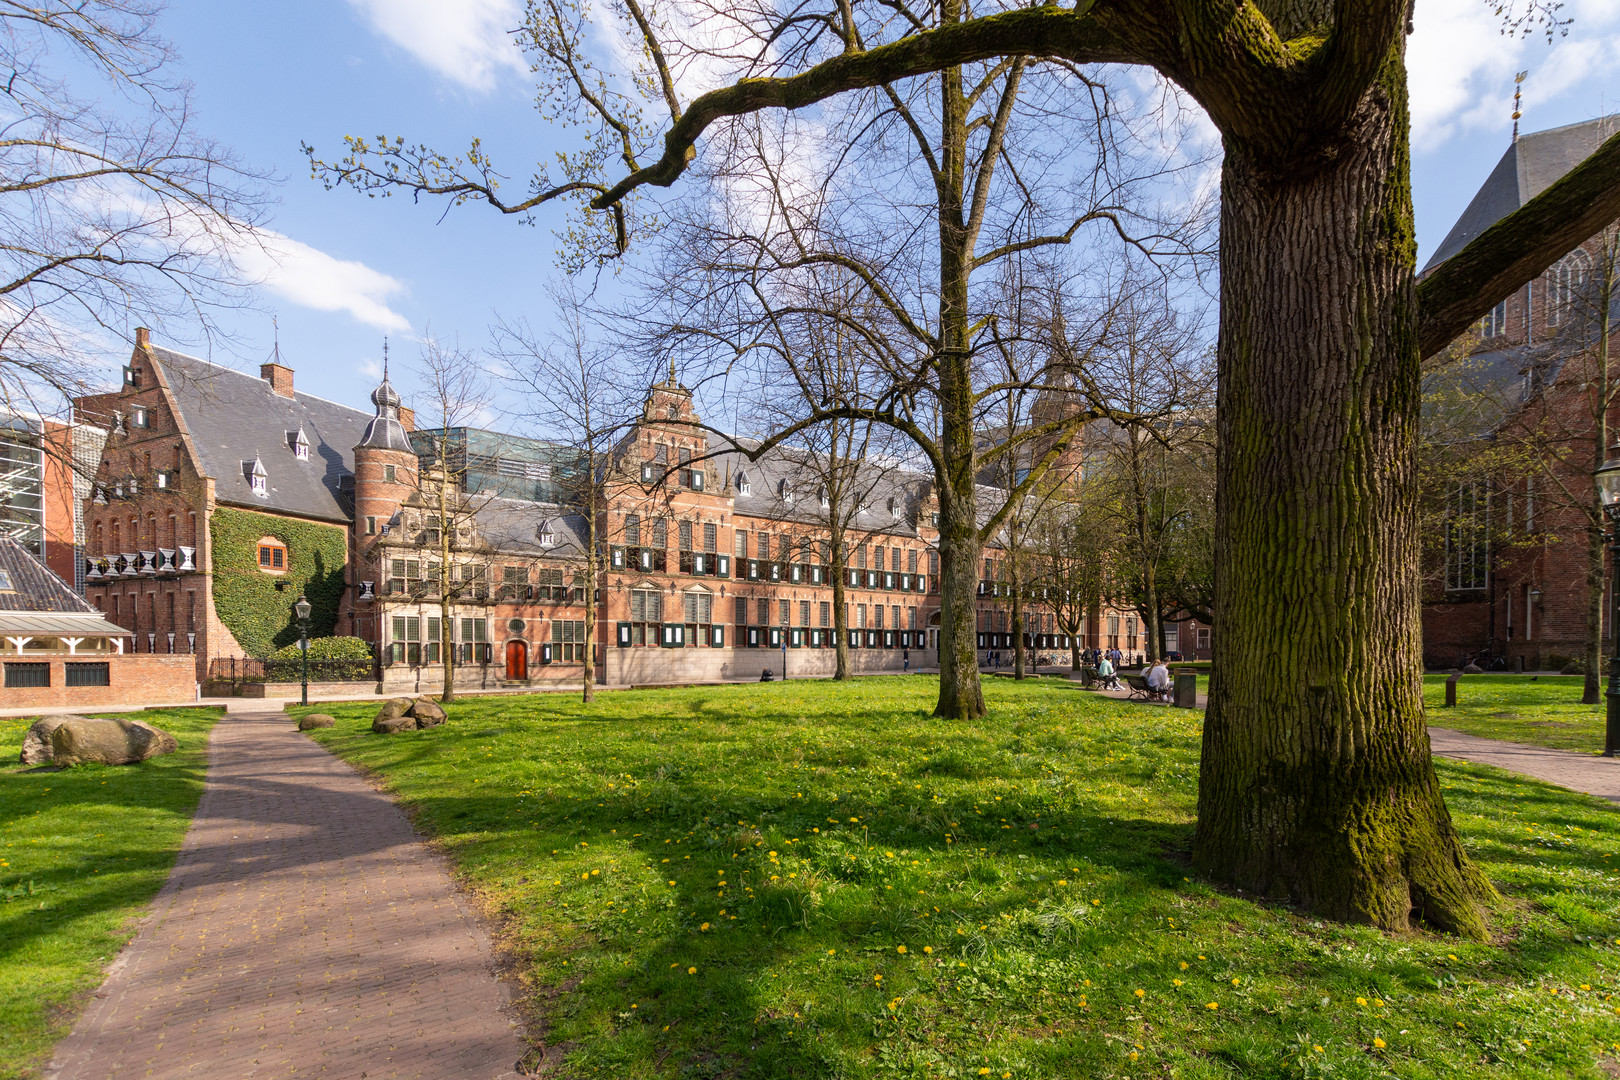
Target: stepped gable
x=234, y=418
x=1532, y=164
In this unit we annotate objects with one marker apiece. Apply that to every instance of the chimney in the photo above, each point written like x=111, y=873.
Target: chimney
x=143, y=338
x=280, y=378
x=407, y=418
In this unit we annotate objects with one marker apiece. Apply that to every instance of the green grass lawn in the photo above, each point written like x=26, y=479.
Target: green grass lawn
x=81, y=851
x=810, y=880
x=1544, y=710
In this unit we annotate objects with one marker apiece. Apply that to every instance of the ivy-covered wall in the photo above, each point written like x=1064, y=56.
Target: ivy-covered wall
x=249, y=601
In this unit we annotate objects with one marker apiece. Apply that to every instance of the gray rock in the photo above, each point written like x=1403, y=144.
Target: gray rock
x=109, y=742
x=36, y=747
x=428, y=713
x=389, y=725
x=314, y=720
x=393, y=709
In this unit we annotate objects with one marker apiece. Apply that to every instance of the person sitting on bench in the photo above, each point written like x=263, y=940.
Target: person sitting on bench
x=1158, y=679
x=1105, y=674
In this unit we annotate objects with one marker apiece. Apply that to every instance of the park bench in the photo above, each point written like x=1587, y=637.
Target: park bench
x=1139, y=688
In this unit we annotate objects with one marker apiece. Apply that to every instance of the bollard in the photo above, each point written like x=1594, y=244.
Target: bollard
x=1186, y=690
x=1451, y=688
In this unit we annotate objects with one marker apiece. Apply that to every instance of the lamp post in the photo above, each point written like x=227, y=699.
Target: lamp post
x=302, y=608
x=1608, y=483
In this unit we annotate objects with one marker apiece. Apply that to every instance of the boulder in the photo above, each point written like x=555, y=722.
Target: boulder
x=109, y=742
x=428, y=713
x=400, y=706
x=314, y=720
x=1473, y=669
x=36, y=747
x=388, y=725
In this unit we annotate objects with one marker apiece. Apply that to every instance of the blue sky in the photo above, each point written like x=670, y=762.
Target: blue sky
x=441, y=71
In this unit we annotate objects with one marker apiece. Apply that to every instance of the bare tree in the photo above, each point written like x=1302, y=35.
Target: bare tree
x=113, y=210
x=579, y=391
x=1072, y=542
x=1323, y=330
x=458, y=395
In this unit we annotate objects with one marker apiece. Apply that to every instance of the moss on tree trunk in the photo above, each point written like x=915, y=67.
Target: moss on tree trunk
x=1316, y=780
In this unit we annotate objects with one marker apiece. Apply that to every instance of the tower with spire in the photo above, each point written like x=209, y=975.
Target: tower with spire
x=385, y=476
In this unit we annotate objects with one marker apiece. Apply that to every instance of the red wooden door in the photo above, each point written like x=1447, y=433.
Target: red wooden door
x=517, y=661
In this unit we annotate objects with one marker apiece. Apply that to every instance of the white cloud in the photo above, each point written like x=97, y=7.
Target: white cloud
x=1461, y=66
x=370, y=368
x=310, y=277
x=467, y=41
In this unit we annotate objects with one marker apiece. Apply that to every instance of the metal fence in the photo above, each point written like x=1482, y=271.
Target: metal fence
x=250, y=669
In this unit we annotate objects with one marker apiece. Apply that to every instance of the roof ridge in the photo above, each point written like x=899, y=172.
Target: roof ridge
x=233, y=371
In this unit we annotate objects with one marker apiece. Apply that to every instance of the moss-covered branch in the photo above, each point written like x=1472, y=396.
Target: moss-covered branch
x=1518, y=248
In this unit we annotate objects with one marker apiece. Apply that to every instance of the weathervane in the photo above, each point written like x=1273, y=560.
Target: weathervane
x=1518, y=81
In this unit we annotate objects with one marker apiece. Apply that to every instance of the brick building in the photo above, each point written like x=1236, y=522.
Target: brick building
x=220, y=498
x=56, y=649
x=1508, y=578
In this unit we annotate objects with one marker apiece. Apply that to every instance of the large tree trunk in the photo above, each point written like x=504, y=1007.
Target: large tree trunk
x=1316, y=783
x=960, y=695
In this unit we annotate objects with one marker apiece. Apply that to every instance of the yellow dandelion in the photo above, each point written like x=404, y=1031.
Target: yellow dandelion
x=1063, y=881
x=1176, y=982
x=1451, y=956
x=691, y=971
x=984, y=1072
x=1096, y=903
x=705, y=926
x=928, y=949
x=1184, y=965
x=1140, y=993
x=1378, y=1003
x=1359, y=1000
x=900, y=949
x=672, y=883
x=1379, y=1043
x=1211, y=1005
x=1318, y=1049
x=1584, y=986
x=1235, y=982
x=831, y=952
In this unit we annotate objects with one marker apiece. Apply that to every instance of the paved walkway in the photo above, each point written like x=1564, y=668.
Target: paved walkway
x=305, y=931
x=1594, y=775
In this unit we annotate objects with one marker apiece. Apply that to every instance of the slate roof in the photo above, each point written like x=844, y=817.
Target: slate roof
x=234, y=417
x=33, y=587
x=513, y=525
x=1531, y=165
x=900, y=488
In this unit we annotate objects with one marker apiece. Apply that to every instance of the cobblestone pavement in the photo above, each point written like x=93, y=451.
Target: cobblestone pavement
x=305, y=931
x=1594, y=775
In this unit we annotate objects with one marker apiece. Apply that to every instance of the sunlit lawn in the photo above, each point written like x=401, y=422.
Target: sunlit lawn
x=81, y=851
x=1544, y=710
x=810, y=880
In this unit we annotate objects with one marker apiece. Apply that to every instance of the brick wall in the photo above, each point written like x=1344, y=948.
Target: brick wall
x=143, y=679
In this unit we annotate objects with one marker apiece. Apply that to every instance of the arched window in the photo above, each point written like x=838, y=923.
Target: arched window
x=1564, y=283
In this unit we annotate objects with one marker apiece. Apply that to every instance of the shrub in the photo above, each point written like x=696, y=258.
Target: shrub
x=339, y=658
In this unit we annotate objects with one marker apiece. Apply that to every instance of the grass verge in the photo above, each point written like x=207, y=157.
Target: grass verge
x=809, y=880
x=1543, y=710
x=81, y=851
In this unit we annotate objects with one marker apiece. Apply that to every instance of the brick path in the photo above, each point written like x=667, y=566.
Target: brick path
x=305, y=931
x=1594, y=775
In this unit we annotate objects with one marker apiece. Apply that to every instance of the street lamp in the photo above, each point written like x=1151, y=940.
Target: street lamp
x=302, y=609
x=1608, y=482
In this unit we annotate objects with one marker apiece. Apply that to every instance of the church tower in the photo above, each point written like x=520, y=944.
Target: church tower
x=385, y=477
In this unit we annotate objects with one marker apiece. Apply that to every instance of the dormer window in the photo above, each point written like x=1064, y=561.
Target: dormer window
x=258, y=480
x=784, y=491
x=894, y=506
x=822, y=496
x=548, y=538
x=299, y=443
x=743, y=486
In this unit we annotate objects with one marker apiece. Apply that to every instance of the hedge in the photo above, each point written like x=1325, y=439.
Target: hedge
x=258, y=607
